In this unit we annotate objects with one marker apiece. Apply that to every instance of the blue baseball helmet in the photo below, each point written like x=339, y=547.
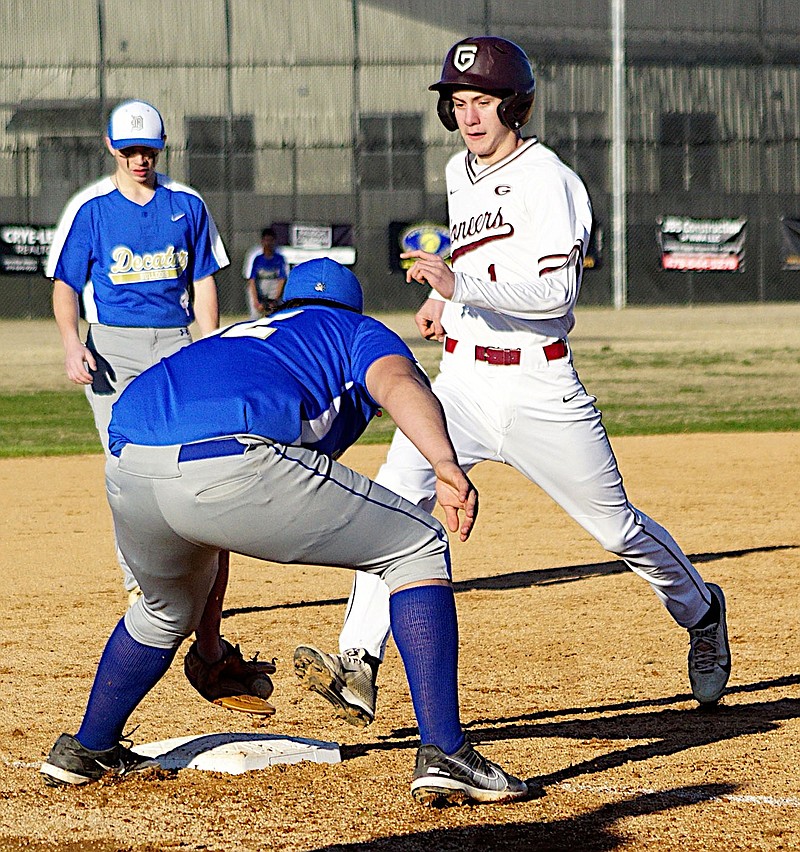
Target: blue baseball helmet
x=323, y=279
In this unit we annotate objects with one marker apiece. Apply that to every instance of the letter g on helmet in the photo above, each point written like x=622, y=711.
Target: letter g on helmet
x=492, y=65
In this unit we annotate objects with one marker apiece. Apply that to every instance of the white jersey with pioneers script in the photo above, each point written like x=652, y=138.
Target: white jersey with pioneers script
x=519, y=231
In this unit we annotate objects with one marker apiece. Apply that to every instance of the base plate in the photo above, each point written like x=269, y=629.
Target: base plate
x=236, y=753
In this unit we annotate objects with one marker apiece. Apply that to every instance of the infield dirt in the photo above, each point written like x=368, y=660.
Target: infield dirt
x=572, y=675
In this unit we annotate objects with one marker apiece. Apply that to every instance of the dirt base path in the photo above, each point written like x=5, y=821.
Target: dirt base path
x=572, y=675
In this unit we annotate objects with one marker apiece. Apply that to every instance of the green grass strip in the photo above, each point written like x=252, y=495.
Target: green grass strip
x=54, y=423
x=46, y=423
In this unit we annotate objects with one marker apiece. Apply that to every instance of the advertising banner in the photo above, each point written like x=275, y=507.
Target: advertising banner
x=24, y=248
x=302, y=241
x=790, y=243
x=701, y=245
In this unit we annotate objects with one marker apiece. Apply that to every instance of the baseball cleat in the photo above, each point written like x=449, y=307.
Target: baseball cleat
x=710, y=655
x=70, y=763
x=460, y=778
x=346, y=680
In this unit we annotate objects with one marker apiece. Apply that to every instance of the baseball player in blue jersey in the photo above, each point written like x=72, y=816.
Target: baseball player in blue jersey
x=520, y=221
x=229, y=444
x=141, y=251
x=265, y=273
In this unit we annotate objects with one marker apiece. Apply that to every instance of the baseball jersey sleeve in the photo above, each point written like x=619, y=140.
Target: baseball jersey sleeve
x=283, y=272
x=70, y=255
x=372, y=342
x=208, y=250
x=210, y=255
x=73, y=261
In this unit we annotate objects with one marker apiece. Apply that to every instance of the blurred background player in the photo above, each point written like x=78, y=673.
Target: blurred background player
x=265, y=271
x=520, y=221
x=252, y=419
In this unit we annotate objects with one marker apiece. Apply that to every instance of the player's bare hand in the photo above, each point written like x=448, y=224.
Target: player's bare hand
x=77, y=363
x=456, y=494
x=429, y=320
x=429, y=268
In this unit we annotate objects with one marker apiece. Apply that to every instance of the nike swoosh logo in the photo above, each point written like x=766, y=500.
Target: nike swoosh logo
x=493, y=774
x=109, y=768
x=570, y=396
x=452, y=192
x=177, y=216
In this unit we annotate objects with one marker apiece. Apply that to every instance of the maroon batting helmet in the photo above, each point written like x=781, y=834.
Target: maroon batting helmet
x=492, y=65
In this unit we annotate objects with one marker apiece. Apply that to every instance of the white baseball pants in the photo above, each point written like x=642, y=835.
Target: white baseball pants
x=538, y=418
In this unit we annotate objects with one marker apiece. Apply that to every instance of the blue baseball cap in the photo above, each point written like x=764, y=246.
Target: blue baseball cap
x=324, y=279
x=136, y=123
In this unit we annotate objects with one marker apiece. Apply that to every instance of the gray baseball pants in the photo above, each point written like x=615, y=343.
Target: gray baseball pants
x=176, y=507
x=122, y=354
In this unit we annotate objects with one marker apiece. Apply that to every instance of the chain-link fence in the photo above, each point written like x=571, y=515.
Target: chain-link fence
x=308, y=112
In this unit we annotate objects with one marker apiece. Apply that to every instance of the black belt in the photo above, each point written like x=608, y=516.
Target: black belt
x=504, y=357
x=211, y=449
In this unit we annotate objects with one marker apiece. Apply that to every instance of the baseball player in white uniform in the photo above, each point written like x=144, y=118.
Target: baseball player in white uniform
x=520, y=221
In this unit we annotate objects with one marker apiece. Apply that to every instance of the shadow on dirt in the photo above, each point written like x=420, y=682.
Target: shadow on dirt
x=590, y=832
x=526, y=579
x=626, y=732
x=667, y=731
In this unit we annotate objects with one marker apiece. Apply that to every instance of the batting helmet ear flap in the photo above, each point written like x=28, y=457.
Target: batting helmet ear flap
x=515, y=110
x=447, y=113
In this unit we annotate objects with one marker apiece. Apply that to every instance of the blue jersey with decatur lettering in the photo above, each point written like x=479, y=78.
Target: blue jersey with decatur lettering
x=297, y=377
x=134, y=264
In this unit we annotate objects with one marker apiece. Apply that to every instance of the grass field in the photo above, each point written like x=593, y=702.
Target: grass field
x=720, y=368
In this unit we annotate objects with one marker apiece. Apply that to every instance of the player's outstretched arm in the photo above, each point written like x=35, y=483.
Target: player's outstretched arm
x=397, y=385
x=67, y=314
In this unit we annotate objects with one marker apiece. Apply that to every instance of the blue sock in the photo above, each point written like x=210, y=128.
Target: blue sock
x=127, y=671
x=425, y=630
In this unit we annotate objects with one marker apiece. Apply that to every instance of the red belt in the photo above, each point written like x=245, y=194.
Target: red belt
x=492, y=355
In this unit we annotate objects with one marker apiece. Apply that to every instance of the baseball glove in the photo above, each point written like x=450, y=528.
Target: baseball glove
x=232, y=682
